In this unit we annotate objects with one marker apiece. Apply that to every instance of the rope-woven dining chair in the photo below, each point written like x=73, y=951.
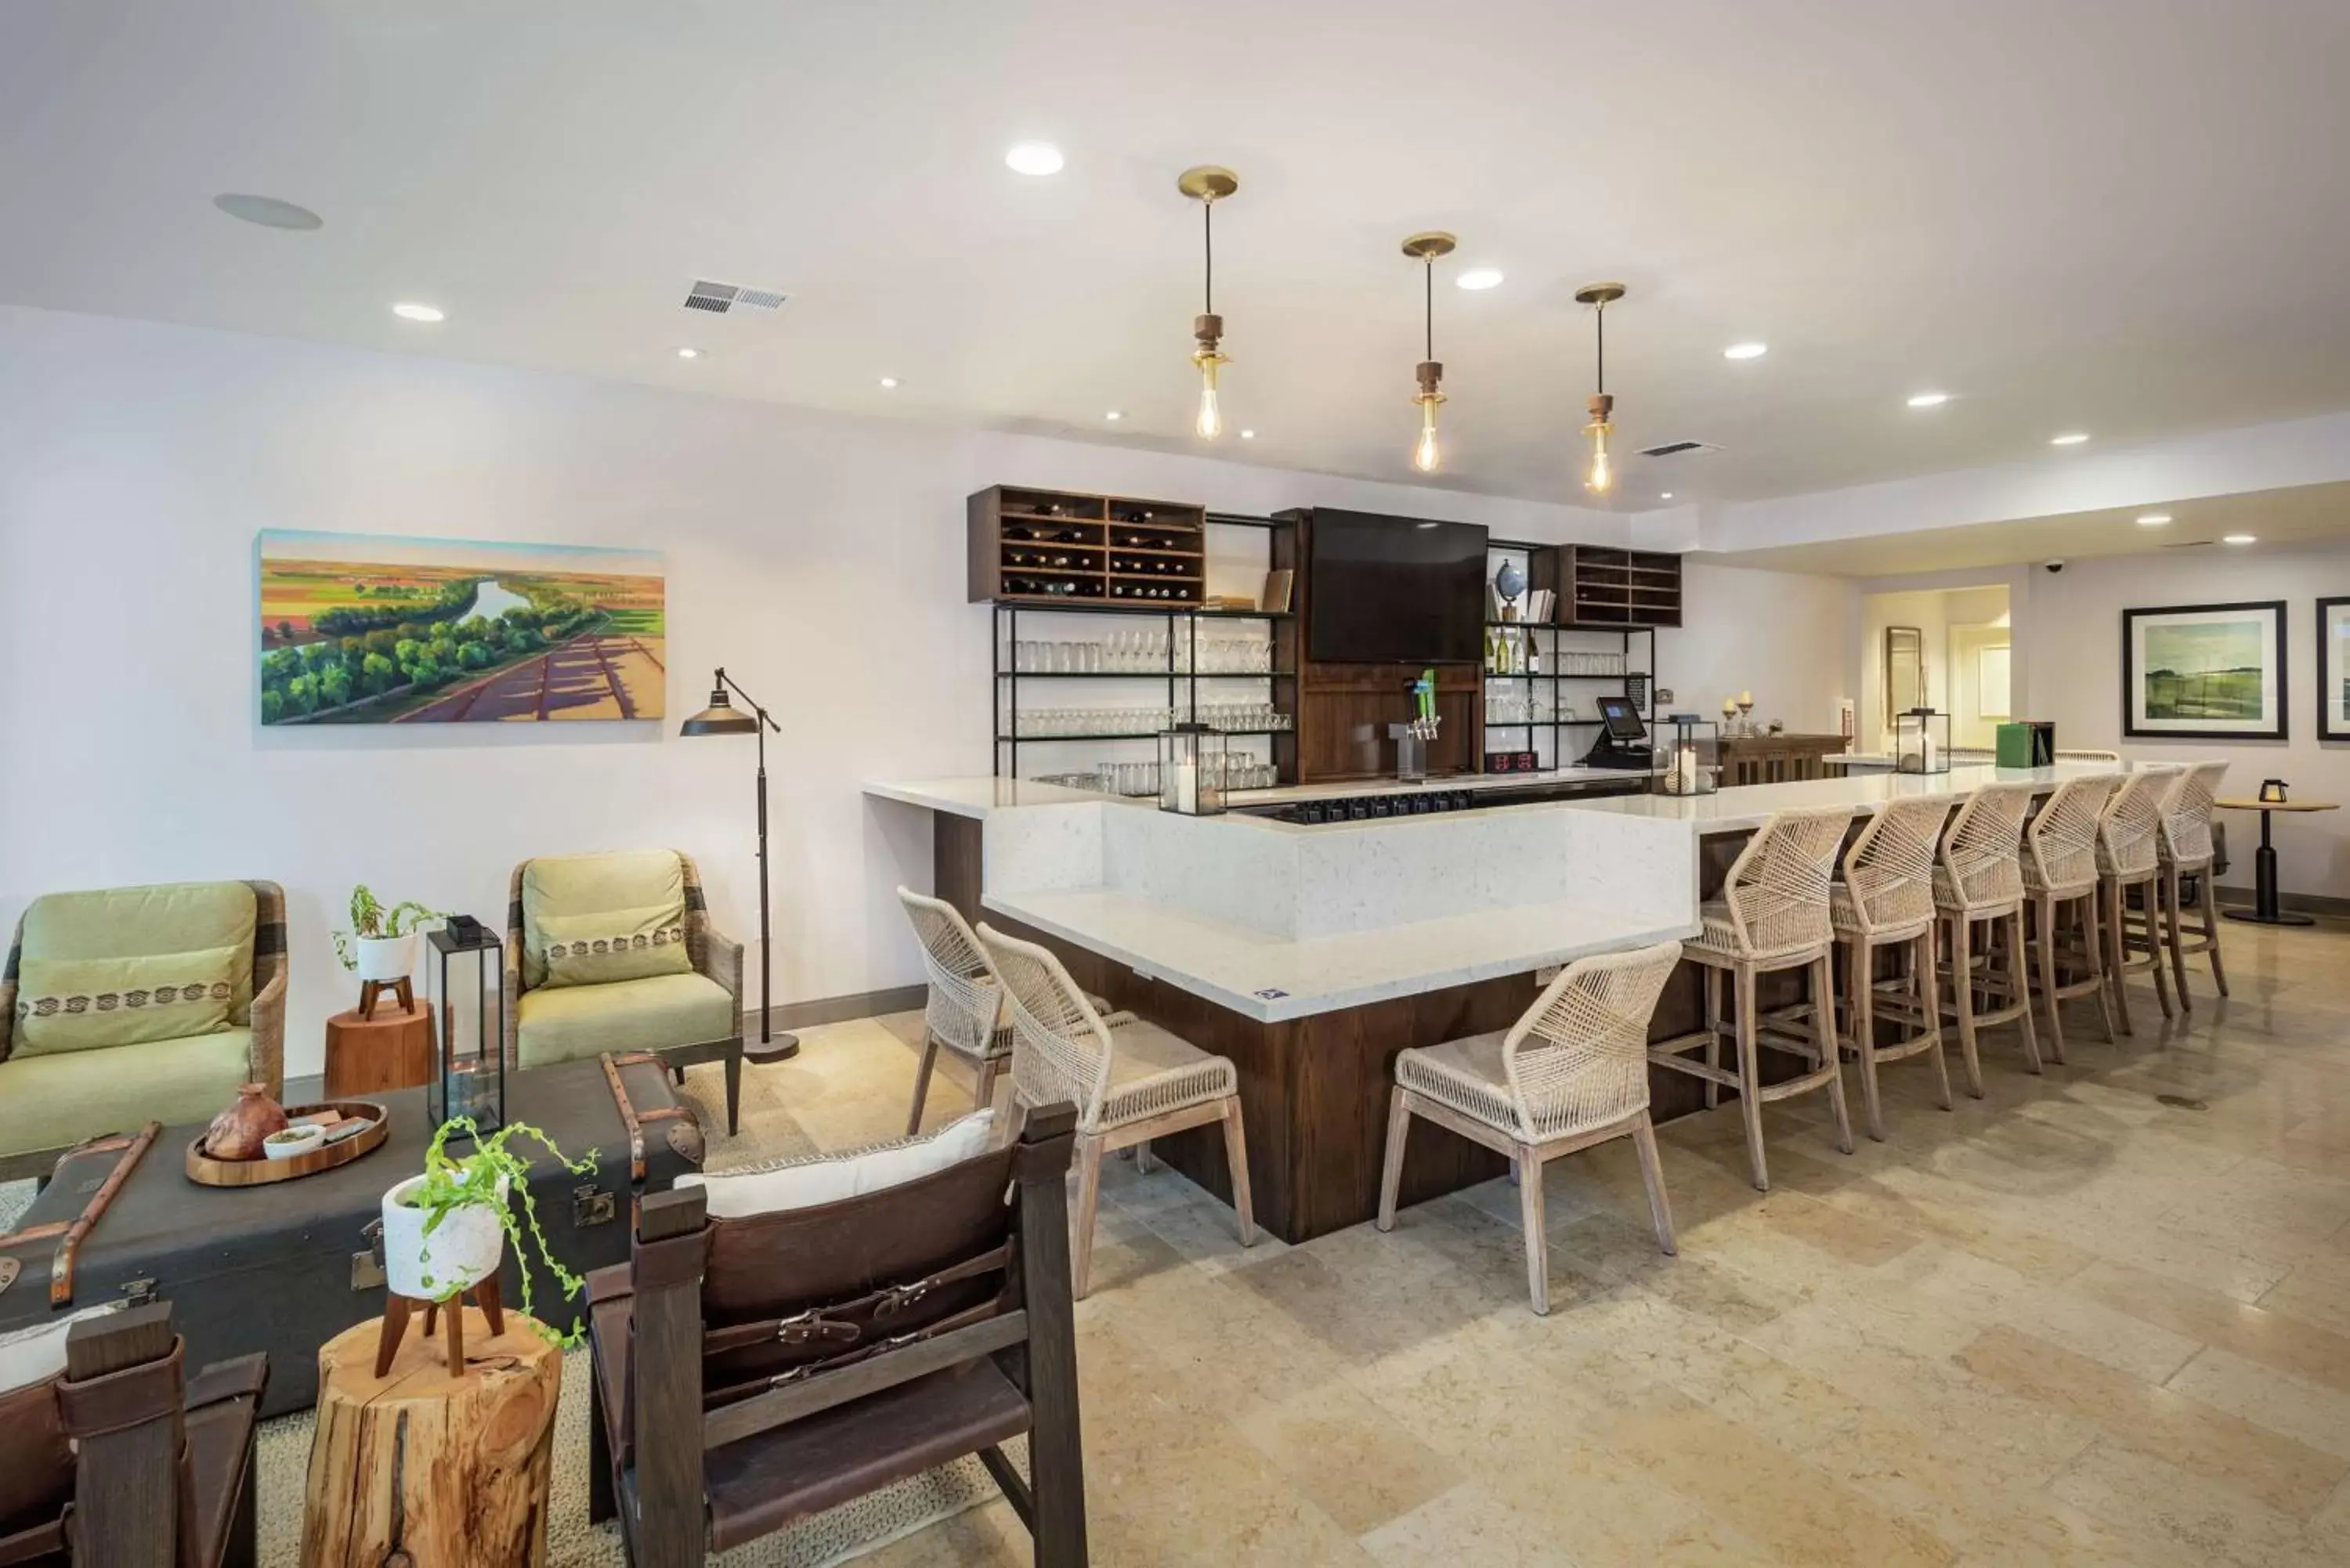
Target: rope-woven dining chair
x=1130, y=1080
x=1773, y=914
x=2185, y=849
x=1885, y=903
x=1979, y=879
x=964, y=1013
x=2060, y=876
x=2129, y=855
x=1571, y=1073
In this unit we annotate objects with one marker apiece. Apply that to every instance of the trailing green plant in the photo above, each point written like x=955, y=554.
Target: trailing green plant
x=371, y=919
x=452, y=1182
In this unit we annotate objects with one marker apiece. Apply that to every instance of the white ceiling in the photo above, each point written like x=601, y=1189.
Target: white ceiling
x=2119, y=215
x=2276, y=519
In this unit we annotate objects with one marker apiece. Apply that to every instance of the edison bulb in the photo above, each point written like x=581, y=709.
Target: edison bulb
x=1602, y=478
x=1425, y=453
x=1211, y=421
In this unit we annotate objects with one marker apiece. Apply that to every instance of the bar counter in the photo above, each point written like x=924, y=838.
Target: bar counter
x=1310, y=954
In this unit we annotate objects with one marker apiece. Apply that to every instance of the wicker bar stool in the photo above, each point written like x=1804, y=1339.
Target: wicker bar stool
x=2060, y=874
x=2183, y=849
x=1131, y=1081
x=1978, y=880
x=2129, y=856
x=1573, y=1072
x=1884, y=902
x=1773, y=916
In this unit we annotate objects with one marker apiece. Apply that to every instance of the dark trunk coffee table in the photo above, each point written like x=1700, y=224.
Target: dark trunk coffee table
x=284, y=1268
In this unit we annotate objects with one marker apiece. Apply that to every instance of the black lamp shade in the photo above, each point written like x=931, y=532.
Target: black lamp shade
x=721, y=718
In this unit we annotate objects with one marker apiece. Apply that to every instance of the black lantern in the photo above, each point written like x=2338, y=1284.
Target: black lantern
x=465, y=992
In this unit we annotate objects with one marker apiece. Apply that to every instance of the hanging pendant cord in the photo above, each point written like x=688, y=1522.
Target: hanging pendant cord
x=1603, y=349
x=1208, y=233
x=1429, y=267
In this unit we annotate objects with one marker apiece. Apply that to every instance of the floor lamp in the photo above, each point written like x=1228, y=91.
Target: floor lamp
x=723, y=718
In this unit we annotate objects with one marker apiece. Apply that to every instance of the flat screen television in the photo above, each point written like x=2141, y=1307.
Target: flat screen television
x=1393, y=590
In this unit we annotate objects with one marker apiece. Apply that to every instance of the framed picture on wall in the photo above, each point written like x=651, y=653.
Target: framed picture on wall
x=2333, y=670
x=2211, y=673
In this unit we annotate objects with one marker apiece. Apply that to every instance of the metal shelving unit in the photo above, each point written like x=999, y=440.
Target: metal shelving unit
x=1638, y=681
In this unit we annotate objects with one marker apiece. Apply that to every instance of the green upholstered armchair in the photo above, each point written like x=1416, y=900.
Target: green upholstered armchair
x=135, y=1004
x=615, y=952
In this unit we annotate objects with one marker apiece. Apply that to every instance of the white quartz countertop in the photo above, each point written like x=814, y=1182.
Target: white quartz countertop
x=977, y=797
x=1271, y=980
x=1747, y=806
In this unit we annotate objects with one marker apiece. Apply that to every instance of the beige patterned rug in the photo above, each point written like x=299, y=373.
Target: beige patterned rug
x=806, y=1106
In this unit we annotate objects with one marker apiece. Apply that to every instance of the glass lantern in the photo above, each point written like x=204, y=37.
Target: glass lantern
x=1688, y=755
x=1921, y=741
x=465, y=992
x=1191, y=770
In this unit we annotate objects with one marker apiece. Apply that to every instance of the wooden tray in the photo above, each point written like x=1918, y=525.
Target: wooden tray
x=203, y=1170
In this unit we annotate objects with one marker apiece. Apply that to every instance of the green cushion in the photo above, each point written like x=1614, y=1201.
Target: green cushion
x=564, y=1023
x=572, y=885
x=85, y=1004
x=47, y=1102
x=121, y=922
x=627, y=944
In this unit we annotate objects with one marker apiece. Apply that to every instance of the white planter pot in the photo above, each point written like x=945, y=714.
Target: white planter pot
x=387, y=958
x=463, y=1252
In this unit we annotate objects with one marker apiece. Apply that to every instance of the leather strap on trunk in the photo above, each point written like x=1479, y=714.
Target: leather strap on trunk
x=632, y=1120
x=76, y=1231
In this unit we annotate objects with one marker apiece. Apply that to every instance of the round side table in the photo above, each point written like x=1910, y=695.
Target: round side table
x=2264, y=910
x=393, y=1050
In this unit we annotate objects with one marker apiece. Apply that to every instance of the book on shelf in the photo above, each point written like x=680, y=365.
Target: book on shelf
x=1278, y=584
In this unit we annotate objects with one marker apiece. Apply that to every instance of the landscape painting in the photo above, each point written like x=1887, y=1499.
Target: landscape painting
x=2333, y=670
x=360, y=628
x=2209, y=671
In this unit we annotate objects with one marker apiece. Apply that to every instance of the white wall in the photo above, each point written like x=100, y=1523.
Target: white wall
x=2074, y=621
x=1934, y=612
x=1786, y=638
x=819, y=557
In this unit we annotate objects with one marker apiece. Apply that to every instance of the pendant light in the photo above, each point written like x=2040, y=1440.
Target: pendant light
x=1602, y=477
x=1424, y=248
x=1207, y=185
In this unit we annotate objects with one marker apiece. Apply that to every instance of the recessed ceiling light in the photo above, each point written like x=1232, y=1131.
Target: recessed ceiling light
x=2154, y=519
x=1665, y=495
x=409, y=310
x=268, y=212
x=1034, y=158
x=1248, y=435
x=689, y=353
x=1928, y=399
x=1115, y=414
x=2070, y=438
x=888, y=383
x=1746, y=350
x=2237, y=539
x=1477, y=277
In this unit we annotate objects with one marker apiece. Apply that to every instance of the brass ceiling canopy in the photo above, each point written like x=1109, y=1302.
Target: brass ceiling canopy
x=1208, y=183
x=1429, y=244
x=1599, y=293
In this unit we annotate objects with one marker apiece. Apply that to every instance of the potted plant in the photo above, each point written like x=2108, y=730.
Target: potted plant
x=381, y=943
x=445, y=1230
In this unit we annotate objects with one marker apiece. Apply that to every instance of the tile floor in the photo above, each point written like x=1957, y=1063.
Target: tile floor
x=2099, y=1318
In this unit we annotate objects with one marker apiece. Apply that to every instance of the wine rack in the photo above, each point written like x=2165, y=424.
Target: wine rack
x=1051, y=547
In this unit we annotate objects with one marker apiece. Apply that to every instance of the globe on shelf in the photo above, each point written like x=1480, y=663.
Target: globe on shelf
x=1510, y=582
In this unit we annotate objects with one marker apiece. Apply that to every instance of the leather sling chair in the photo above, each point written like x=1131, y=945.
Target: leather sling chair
x=750, y=1372
x=117, y=1461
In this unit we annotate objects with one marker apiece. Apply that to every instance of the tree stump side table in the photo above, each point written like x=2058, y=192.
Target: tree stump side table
x=419, y=1468
x=393, y=1050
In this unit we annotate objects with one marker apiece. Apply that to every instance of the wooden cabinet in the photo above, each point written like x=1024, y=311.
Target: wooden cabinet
x=1777, y=759
x=1063, y=548
x=1608, y=589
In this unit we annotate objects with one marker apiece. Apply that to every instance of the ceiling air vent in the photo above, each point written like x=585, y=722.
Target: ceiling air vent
x=1676, y=448
x=718, y=298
